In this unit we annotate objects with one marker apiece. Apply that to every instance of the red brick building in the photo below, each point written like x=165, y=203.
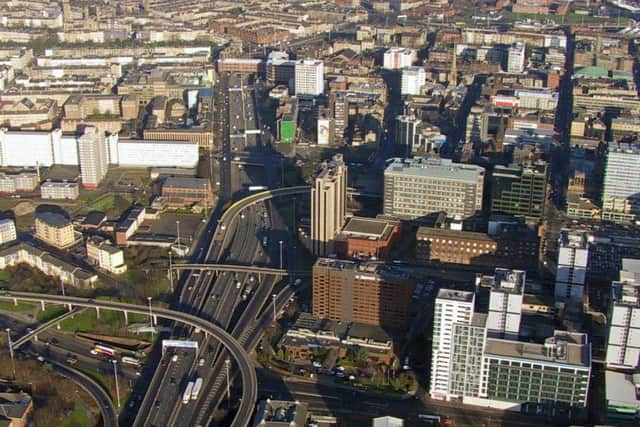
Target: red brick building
x=366, y=237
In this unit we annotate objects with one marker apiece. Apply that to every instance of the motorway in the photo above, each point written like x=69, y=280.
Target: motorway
x=249, y=380
x=231, y=300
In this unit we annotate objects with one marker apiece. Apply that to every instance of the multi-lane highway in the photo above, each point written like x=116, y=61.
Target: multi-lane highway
x=249, y=381
x=232, y=300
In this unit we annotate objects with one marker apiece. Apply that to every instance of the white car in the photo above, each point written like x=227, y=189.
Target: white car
x=201, y=362
x=174, y=358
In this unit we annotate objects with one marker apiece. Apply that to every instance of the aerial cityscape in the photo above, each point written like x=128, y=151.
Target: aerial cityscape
x=318, y=213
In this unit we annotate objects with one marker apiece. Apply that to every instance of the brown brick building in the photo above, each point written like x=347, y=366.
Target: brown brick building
x=179, y=191
x=366, y=237
x=363, y=292
x=509, y=250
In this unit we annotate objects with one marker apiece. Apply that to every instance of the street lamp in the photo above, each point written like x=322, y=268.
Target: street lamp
x=178, y=231
x=170, y=272
x=115, y=376
x=227, y=362
x=150, y=314
x=13, y=362
x=62, y=285
x=280, y=242
x=274, y=298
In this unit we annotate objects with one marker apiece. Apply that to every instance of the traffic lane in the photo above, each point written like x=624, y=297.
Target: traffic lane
x=351, y=401
x=105, y=404
x=176, y=380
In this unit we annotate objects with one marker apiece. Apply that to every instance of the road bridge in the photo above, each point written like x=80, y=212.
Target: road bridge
x=248, y=375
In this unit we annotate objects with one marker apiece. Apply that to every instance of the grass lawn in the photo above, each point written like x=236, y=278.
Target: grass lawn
x=109, y=321
x=572, y=18
x=8, y=306
x=51, y=312
x=78, y=418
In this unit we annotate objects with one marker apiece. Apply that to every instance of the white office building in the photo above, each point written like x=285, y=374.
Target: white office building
x=516, y=58
x=573, y=255
x=7, y=231
x=309, y=77
x=397, y=58
x=621, y=187
x=623, y=343
x=505, y=303
x=148, y=153
x=27, y=148
x=413, y=79
x=451, y=307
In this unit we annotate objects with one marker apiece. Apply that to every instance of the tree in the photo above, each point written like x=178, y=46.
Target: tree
x=360, y=357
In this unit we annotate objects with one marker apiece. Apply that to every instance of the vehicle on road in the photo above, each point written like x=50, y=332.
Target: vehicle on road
x=130, y=361
x=257, y=188
x=186, y=396
x=71, y=359
x=197, y=386
x=103, y=350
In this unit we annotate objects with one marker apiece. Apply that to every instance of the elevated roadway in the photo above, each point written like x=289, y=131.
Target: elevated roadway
x=247, y=372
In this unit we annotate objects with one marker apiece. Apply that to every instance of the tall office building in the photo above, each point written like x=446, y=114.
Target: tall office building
x=451, y=308
x=363, y=292
x=94, y=157
x=516, y=58
x=407, y=136
x=623, y=343
x=413, y=78
x=280, y=69
x=573, y=255
x=339, y=109
x=397, y=58
x=505, y=303
x=309, y=77
x=328, y=204
x=419, y=187
x=467, y=376
x=519, y=190
x=621, y=186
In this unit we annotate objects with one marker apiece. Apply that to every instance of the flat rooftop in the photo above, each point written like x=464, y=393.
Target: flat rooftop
x=434, y=168
x=452, y=294
x=366, y=228
x=564, y=348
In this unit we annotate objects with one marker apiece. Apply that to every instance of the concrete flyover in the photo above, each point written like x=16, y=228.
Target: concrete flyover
x=28, y=336
x=102, y=398
x=235, y=208
x=249, y=379
x=240, y=268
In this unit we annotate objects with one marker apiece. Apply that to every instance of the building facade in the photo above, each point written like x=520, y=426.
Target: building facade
x=106, y=256
x=60, y=190
x=451, y=308
x=7, y=231
x=309, y=77
x=511, y=249
x=519, y=191
x=328, y=204
x=55, y=230
x=397, y=58
x=413, y=78
x=454, y=188
x=573, y=256
x=179, y=191
x=505, y=302
x=363, y=292
x=516, y=57
x=623, y=342
x=620, y=195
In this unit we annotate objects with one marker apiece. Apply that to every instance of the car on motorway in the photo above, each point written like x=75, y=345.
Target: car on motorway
x=174, y=358
x=201, y=362
x=40, y=359
x=71, y=359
